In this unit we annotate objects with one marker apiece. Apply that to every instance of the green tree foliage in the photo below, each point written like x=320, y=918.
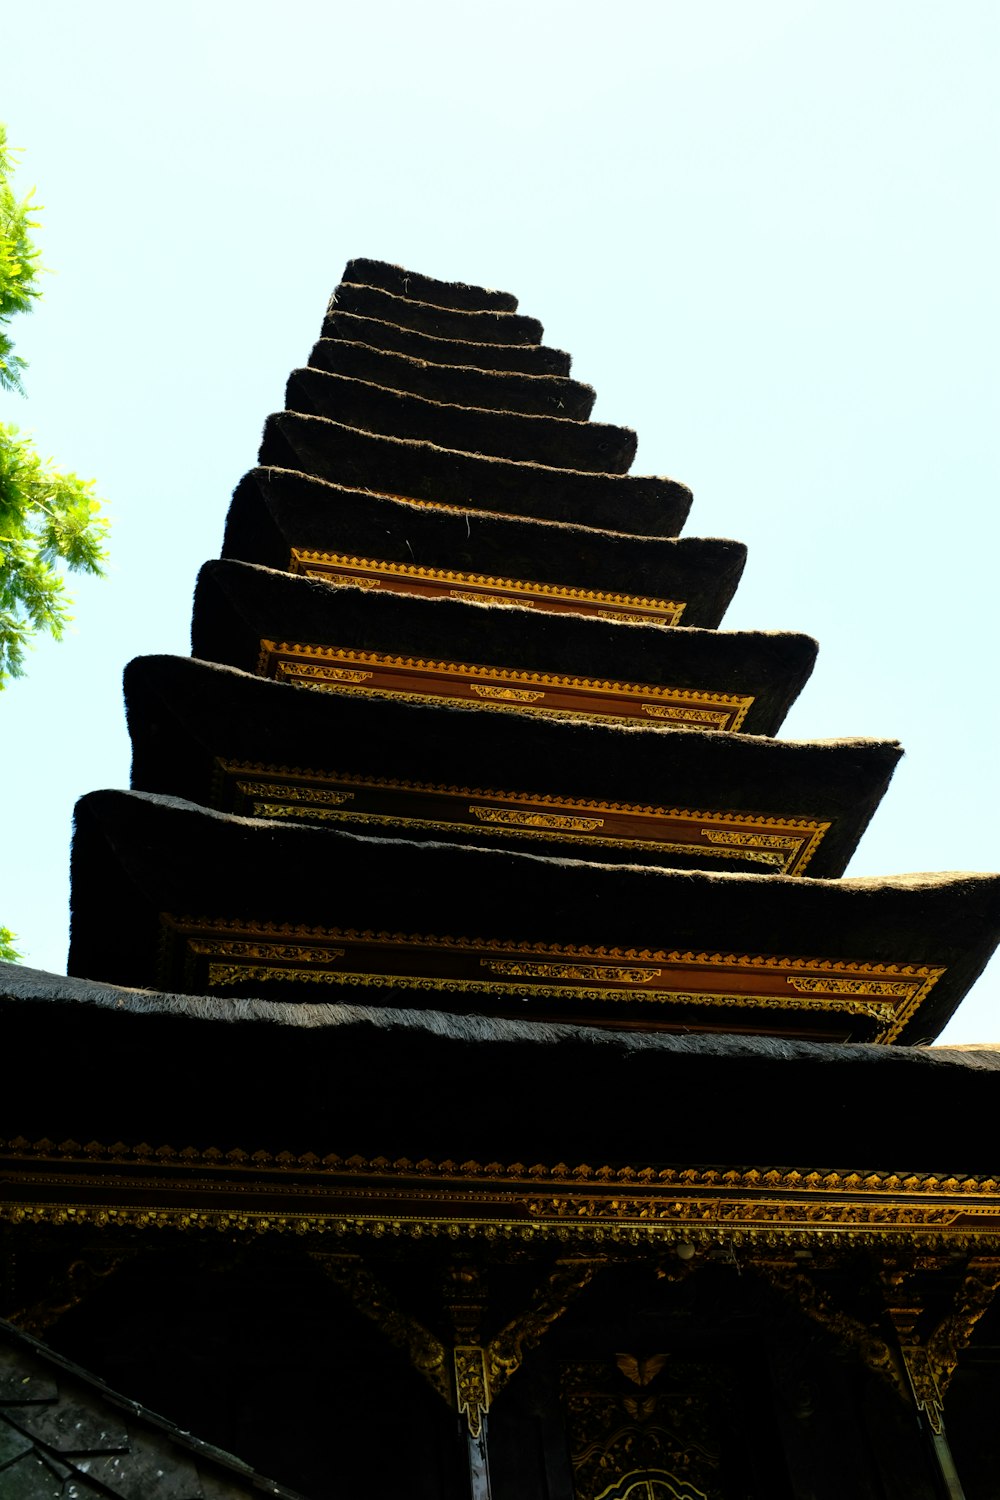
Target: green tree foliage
x=19, y=265
x=49, y=520
x=8, y=953
x=46, y=517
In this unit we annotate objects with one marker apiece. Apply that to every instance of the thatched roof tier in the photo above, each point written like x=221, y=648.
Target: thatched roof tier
x=166, y=894
x=522, y=359
x=643, y=505
x=278, y=516
x=404, y=283
x=538, y=395
x=240, y=743
x=272, y=1076
x=505, y=658
x=474, y=327
x=596, y=447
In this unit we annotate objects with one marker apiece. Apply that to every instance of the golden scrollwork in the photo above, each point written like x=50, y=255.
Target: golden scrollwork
x=506, y=1352
x=426, y=1353
x=80, y=1278
x=606, y=974
x=494, y=601
x=742, y=839
x=866, y=1341
x=711, y=716
x=506, y=694
x=516, y=818
x=876, y=989
x=324, y=796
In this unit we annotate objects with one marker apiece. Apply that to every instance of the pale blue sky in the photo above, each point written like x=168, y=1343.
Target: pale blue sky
x=767, y=231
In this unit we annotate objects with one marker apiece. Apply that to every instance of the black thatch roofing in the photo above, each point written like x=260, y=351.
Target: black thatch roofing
x=558, y=442
x=237, y=605
x=137, y=856
x=274, y=510
x=185, y=715
x=522, y=359
x=202, y=1071
x=538, y=395
x=65, y=1433
x=644, y=505
x=489, y=326
x=404, y=283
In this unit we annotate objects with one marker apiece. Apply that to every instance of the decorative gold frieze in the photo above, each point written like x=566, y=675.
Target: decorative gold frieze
x=421, y=680
x=481, y=588
x=245, y=1191
x=772, y=989
x=783, y=844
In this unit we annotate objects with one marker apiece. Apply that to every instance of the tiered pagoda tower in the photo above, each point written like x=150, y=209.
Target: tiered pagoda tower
x=476, y=1077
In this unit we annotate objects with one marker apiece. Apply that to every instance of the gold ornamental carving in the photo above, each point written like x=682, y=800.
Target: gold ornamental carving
x=472, y=1387
x=514, y=818
x=427, y=1354
x=654, y=1438
x=481, y=588
x=477, y=1372
x=785, y=844
x=930, y=1351
x=773, y=988
x=251, y=1192
x=506, y=694
x=475, y=686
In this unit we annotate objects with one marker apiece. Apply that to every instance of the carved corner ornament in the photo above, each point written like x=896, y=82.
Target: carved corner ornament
x=930, y=1354
x=477, y=1372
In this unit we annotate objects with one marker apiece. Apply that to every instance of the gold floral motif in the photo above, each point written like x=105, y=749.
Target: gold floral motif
x=496, y=601
x=878, y=989
x=711, y=716
x=742, y=839
x=514, y=817
x=312, y=795
x=294, y=952
x=348, y=581
x=506, y=694
x=321, y=672
x=606, y=973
